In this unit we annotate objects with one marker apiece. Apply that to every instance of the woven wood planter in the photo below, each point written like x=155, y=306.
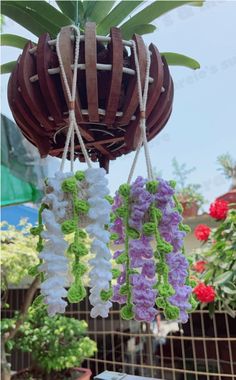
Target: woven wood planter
x=107, y=104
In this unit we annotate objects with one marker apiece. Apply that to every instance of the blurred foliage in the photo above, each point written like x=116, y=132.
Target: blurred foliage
x=18, y=252
x=186, y=191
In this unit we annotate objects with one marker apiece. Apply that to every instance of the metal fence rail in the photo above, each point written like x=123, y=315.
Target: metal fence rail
x=202, y=349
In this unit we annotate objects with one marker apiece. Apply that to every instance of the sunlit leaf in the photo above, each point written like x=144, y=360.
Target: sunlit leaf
x=7, y=68
x=139, y=29
x=13, y=40
x=175, y=59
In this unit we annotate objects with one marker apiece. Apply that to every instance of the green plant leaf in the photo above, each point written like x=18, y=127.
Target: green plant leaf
x=96, y=10
x=35, y=17
x=175, y=59
x=117, y=15
x=230, y=311
x=13, y=40
x=47, y=11
x=153, y=11
x=228, y=290
x=68, y=7
x=208, y=275
x=139, y=29
x=222, y=278
x=7, y=68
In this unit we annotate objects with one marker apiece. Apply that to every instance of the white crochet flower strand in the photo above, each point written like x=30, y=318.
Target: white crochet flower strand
x=100, y=274
x=55, y=266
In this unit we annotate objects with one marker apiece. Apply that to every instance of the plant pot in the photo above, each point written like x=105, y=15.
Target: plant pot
x=107, y=103
x=229, y=197
x=190, y=209
x=85, y=374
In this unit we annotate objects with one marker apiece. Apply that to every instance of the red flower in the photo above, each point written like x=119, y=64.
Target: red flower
x=219, y=209
x=200, y=266
x=202, y=232
x=204, y=293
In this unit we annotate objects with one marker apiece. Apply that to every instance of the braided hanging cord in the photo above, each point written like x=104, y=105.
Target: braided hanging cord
x=71, y=95
x=142, y=105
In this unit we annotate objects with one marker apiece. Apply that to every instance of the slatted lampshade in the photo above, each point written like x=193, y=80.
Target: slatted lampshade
x=107, y=104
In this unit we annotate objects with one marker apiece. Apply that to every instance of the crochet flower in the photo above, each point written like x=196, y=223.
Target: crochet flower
x=204, y=293
x=99, y=212
x=202, y=232
x=219, y=209
x=200, y=266
x=55, y=266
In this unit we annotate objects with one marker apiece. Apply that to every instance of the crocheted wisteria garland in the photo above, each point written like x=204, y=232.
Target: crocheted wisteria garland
x=146, y=214
x=73, y=202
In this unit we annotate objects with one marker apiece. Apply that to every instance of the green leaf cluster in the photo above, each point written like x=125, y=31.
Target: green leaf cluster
x=55, y=343
x=18, y=252
x=132, y=17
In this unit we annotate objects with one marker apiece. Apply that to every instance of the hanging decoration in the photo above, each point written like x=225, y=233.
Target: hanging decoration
x=106, y=101
x=145, y=216
x=72, y=203
x=147, y=221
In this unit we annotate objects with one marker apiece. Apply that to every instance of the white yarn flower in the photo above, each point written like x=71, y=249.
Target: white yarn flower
x=99, y=212
x=55, y=265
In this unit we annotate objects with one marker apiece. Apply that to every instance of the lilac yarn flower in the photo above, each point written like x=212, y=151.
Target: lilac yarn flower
x=141, y=199
x=118, y=228
x=117, y=202
x=141, y=264
x=143, y=294
x=164, y=193
x=117, y=297
x=178, y=272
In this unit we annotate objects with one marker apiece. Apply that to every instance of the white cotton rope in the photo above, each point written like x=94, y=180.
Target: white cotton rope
x=71, y=95
x=142, y=106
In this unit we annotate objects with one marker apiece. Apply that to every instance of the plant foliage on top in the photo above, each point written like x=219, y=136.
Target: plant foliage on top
x=132, y=17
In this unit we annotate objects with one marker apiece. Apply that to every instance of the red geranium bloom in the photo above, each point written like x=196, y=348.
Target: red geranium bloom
x=202, y=232
x=204, y=293
x=219, y=209
x=200, y=266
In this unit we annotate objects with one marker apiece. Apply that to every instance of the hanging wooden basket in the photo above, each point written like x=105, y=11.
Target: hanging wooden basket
x=107, y=104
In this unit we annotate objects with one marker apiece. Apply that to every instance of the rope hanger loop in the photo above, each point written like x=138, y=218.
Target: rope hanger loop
x=71, y=95
x=142, y=105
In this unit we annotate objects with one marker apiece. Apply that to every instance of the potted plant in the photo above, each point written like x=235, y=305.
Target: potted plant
x=214, y=265
x=108, y=101
x=228, y=169
x=63, y=338
x=188, y=194
x=58, y=345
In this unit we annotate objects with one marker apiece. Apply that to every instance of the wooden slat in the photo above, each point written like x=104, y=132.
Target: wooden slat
x=31, y=91
x=46, y=59
x=157, y=73
x=26, y=128
x=16, y=96
x=91, y=71
x=66, y=47
x=163, y=100
x=164, y=117
x=114, y=88
x=104, y=163
x=131, y=101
